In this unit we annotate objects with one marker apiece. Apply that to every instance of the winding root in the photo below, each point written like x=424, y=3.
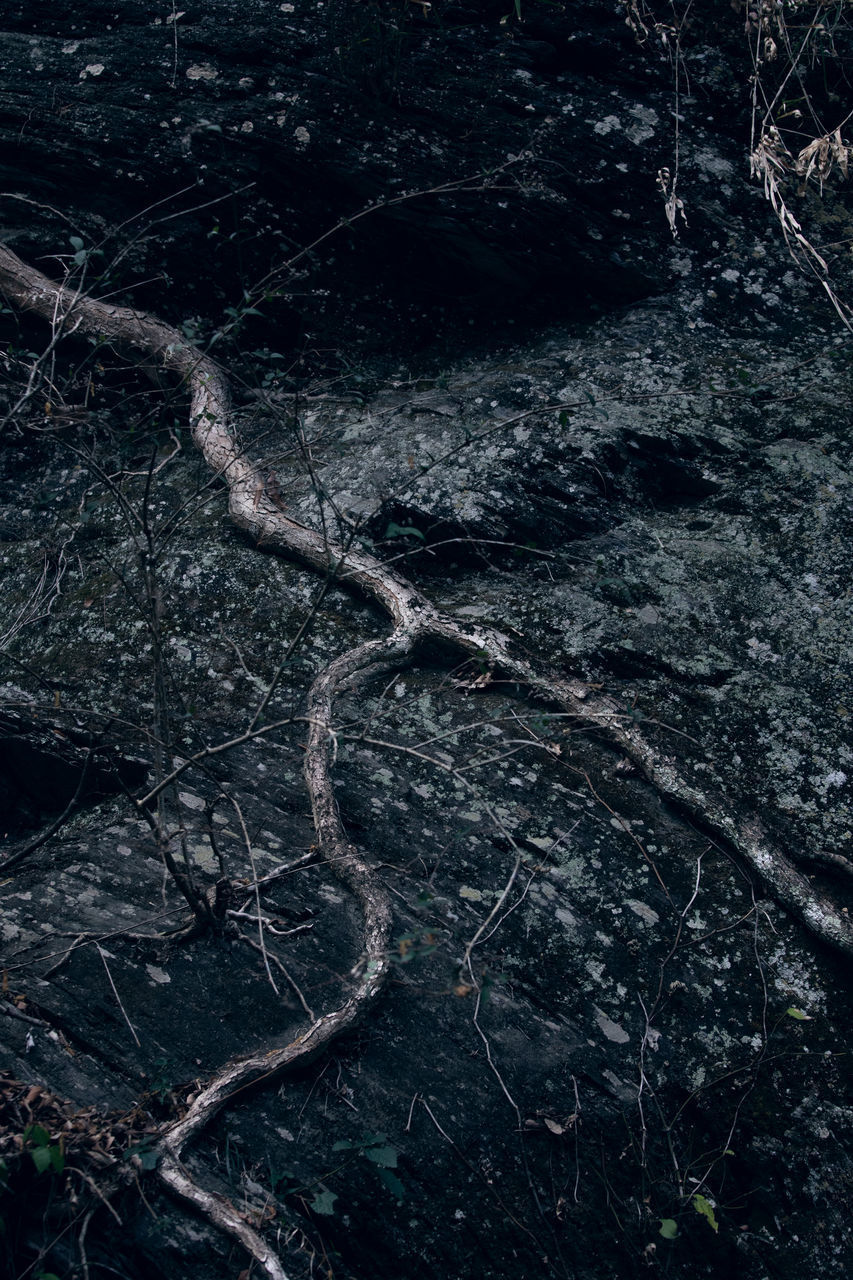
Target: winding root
x=414, y=620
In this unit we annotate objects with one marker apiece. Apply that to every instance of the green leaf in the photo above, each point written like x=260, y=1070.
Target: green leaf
x=324, y=1203
x=704, y=1206
x=384, y=1156
x=798, y=1014
x=57, y=1159
x=41, y=1159
x=36, y=1135
x=76, y=243
x=146, y=1154
x=393, y=1183
x=402, y=531
x=280, y=1179
x=668, y=1228
x=346, y=1145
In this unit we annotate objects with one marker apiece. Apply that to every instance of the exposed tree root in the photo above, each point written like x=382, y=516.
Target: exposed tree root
x=414, y=621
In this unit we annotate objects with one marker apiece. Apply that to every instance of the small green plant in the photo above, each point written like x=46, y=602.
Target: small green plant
x=236, y=317
x=161, y=1081
x=403, y=531
x=46, y=1155
x=410, y=946
x=276, y=370
x=282, y=1181
x=82, y=256
x=376, y=1148
x=323, y=1203
x=703, y=1205
x=145, y=1153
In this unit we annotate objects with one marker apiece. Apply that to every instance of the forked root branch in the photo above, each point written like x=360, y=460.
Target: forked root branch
x=414, y=620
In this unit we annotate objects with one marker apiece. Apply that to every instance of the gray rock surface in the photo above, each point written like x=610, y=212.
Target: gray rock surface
x=629, y=452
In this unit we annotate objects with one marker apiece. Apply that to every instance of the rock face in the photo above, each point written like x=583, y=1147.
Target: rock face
x=606, y=1049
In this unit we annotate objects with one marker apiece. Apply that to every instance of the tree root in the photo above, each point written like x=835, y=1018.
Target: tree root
x=414, y=621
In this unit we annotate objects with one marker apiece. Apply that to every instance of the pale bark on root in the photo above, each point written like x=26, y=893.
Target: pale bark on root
x=414, y=621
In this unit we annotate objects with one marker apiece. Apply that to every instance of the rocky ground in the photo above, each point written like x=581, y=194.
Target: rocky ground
x=606, y=1049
